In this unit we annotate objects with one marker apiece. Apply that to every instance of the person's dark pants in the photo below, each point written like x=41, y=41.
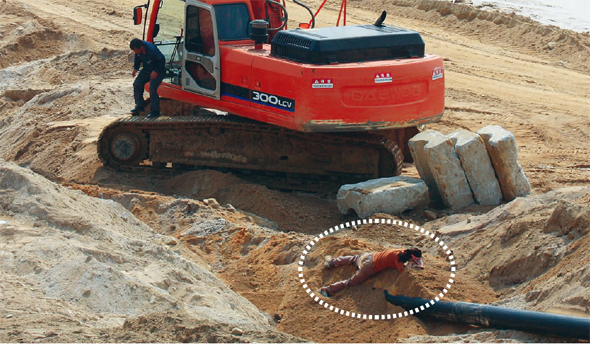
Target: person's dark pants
x=364, y=263
x=138, y=85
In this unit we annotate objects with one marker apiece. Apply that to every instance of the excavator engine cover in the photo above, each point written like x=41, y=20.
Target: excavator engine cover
x=347, y=44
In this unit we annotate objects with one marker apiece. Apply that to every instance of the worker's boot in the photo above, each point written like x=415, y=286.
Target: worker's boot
x=324, y=292
x=327, y=262
x=136, y=111
x=154, y=114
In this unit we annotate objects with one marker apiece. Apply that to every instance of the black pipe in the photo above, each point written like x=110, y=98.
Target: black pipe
x=497, y=317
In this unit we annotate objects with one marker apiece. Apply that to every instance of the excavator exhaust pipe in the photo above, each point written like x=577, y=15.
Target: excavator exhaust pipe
x=497, y=317
x=259, y=32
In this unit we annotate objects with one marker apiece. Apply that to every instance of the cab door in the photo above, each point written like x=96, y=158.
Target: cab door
x=201, y=64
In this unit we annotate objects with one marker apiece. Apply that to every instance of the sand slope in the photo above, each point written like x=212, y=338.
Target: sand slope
x=93, y=254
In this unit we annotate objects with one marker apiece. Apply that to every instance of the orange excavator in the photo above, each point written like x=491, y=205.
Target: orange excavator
x=244, y=93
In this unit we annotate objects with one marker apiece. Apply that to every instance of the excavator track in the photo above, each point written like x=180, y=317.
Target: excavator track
x=205, y=139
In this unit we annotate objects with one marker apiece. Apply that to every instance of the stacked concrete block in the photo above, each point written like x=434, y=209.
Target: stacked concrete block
x=448, y=173
x=478, y=168
x=416, y=145
x=456, y=171
x=501, y=146
x=386, y=195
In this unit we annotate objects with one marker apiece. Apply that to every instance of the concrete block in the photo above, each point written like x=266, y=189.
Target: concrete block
x=501, y=146
x=385, y=195
x=448, y=173
x=416, y=145
x=478, y=168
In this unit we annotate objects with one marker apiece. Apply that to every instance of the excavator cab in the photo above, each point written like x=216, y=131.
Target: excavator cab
x=189, y=32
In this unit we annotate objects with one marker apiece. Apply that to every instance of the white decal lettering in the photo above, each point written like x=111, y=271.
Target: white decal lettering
x=274, y=100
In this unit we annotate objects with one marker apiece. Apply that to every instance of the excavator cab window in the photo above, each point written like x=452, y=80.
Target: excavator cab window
x=199, y=31
x=232, y=21
x=200, y=40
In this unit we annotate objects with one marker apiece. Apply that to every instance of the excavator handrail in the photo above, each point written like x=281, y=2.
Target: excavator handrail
x=284, y=11
x=343, y=5
x=312, y=21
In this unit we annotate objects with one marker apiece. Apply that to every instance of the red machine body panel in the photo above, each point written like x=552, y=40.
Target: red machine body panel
x=340, y=97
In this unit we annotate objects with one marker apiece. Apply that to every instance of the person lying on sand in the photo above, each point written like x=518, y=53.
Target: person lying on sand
x=369, y=264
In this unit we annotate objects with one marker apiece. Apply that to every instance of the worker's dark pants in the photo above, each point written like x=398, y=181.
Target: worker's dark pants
x=138, y=85
x=363, y=262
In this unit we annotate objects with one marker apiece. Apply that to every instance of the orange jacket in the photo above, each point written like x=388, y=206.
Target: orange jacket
x=387, y=259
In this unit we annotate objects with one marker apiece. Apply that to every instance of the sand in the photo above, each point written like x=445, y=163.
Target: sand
x=95, y=255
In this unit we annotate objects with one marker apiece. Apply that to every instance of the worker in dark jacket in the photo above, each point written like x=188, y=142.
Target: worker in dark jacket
x=153, y=71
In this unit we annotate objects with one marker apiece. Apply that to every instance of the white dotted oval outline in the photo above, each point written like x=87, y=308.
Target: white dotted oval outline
x=335, y=229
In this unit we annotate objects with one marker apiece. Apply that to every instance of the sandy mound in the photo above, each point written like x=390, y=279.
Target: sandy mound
x=144, y=258
x=288, y=211
x=283, y=211
x=26, y=37
x=175, y=327
x=536, y=252
x=536, y=258
x=99, y=262
x=261, y=264
x=58, y=117
x=58, y=88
